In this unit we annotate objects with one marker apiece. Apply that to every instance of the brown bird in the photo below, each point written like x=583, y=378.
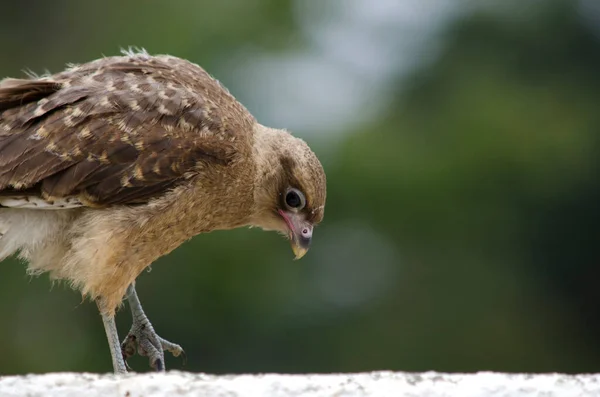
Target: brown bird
x=109, y=165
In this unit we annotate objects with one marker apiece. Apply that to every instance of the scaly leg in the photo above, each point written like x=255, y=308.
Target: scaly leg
x=113, y=342
x=142, y=334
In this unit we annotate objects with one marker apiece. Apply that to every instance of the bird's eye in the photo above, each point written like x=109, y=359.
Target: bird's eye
x=295, y=199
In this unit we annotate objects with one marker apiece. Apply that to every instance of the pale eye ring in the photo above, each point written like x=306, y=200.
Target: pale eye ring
x=294, y=199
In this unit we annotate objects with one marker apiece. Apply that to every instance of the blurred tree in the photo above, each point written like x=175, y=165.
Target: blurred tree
x=469, y=173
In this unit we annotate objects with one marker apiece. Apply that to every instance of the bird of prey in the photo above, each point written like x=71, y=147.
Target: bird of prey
x=111, y=164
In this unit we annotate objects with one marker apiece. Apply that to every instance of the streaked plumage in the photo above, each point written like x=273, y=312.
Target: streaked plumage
x=116, y=130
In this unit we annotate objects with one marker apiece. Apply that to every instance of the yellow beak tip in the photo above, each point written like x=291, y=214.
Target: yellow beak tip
x=298, y=251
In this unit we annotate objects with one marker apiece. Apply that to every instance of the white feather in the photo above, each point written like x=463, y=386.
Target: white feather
x=26, y=230
x=33, y=202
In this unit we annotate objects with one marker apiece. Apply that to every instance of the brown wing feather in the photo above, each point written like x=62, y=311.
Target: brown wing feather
x=16, y=92
x=115, y=131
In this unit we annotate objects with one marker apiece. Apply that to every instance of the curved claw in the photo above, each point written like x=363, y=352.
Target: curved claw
x=173, y=348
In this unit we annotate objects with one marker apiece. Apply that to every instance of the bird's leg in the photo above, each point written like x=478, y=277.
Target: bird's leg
x=113, y=342
x=143, y=336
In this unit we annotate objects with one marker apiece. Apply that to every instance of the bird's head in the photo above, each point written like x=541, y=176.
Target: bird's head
x=290, y=187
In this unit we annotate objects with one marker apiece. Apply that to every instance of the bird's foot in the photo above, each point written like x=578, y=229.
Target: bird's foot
x=143, y=338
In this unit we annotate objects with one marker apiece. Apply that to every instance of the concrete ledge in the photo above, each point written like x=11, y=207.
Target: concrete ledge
x=386, y=384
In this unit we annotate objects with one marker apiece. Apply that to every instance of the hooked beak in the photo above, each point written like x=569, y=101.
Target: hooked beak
x=300, y=232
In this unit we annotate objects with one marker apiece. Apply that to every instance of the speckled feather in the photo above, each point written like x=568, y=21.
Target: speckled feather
x=117, y=130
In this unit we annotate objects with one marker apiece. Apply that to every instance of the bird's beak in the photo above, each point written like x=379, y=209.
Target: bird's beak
x=300, y=232
x=299, y=250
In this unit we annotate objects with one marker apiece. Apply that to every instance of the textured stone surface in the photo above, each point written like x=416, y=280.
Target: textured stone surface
x=340, y=385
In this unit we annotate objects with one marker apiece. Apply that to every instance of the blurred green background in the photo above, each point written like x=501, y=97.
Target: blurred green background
x=461, y=143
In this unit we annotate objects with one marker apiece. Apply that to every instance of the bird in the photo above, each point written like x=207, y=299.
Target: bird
x=108, y=165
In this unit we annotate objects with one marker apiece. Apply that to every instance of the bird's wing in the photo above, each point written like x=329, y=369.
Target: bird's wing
x=119, y=130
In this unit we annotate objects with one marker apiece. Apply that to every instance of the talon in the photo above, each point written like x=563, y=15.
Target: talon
x=158, y=365
x=174, y=348
x=128, y=347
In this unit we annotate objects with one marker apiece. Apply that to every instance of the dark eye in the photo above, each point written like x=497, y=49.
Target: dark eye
x=295, y=199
